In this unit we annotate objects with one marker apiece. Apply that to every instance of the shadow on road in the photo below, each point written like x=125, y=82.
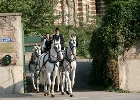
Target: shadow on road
x=82, y=76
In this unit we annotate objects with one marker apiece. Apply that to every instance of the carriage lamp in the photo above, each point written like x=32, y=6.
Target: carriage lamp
x=6, y=60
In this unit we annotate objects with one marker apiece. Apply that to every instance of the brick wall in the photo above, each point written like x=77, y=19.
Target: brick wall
x=100, y=8
x=76, y=7
x=7, y=30
x=10, y=27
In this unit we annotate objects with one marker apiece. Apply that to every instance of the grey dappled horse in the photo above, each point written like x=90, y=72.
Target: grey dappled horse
x=33, y=67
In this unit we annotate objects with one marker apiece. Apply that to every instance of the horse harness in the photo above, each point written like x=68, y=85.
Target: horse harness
x=50, y=60
x=33, y=60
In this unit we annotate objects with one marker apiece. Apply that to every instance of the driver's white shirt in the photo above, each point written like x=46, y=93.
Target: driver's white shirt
x=44, y=43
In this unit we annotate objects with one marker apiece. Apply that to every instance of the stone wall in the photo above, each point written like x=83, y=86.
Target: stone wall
x=129, y=69
x=10, y=28
x=11, y=76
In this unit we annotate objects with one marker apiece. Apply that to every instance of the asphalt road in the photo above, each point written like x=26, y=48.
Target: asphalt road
x=81, y=77
x=100, y=95
x=81, y=89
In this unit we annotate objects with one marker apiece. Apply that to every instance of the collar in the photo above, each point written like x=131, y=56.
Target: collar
x=57, y=34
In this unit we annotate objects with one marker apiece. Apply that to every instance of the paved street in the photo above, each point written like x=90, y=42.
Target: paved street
x=77, y=96
x=81, y=89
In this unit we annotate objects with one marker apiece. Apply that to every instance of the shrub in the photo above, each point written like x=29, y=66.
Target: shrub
x=120, y=29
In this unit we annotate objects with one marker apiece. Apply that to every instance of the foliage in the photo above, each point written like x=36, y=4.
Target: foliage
x=36, y=14
x=118, y=90
x=107, y=2
x=119, y=30
x=83, y=35
x=38, y=18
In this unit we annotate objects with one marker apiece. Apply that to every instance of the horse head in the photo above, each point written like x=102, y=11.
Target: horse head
x=57, y=48
x=37, y=50
x=72, y=41
x=72, y=44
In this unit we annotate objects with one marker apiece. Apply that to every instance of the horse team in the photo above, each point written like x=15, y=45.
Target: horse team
x=55, y=64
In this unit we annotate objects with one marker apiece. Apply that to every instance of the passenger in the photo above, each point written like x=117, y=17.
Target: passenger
x=47, y=43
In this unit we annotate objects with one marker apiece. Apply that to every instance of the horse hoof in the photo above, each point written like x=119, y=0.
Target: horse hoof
x=47, y=93
x=37, y=91
x=57, y=91
x=34, y=90
x=71, y=95
x=44, y=94
x=62, y=93
x=53, y=95
x=67, y=93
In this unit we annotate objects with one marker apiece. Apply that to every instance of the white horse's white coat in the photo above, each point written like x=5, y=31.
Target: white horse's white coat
x=69, y=65
x=33, y=67
x=49, y=63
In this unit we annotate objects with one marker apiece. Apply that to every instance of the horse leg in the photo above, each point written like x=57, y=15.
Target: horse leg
x=46, y=86
x=69, y=83
x=62, y=82
x=38, y=78
x=58, y=80
x=66, y=86
x=41, y=81
x=53, y=82
x=47, y=82
x=73, y=78
x=33, y=82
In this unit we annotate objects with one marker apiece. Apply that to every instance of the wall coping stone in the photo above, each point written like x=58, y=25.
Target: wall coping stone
x=10, y=14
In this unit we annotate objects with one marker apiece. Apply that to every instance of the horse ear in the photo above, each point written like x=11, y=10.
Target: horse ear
x=35, y=47
x=39, y=47
x=75, y=37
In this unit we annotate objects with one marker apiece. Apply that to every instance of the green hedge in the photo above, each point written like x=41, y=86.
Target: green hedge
x=120, y=29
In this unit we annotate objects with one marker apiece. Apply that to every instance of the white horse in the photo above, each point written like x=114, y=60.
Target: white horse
x=49, y=63
x=33, y=67
x=69, y=65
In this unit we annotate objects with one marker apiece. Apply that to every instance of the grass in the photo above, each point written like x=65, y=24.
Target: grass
x=118, y=90
x=102, y=88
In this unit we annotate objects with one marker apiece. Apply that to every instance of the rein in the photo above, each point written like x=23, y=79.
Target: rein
x=50, y=60
x=34, y=58
x=68, y=59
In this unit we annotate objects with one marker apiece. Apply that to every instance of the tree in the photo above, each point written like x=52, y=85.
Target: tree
x=107, y=2
x=36, y=14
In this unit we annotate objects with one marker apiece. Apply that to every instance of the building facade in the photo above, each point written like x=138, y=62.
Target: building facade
x=78, y=12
